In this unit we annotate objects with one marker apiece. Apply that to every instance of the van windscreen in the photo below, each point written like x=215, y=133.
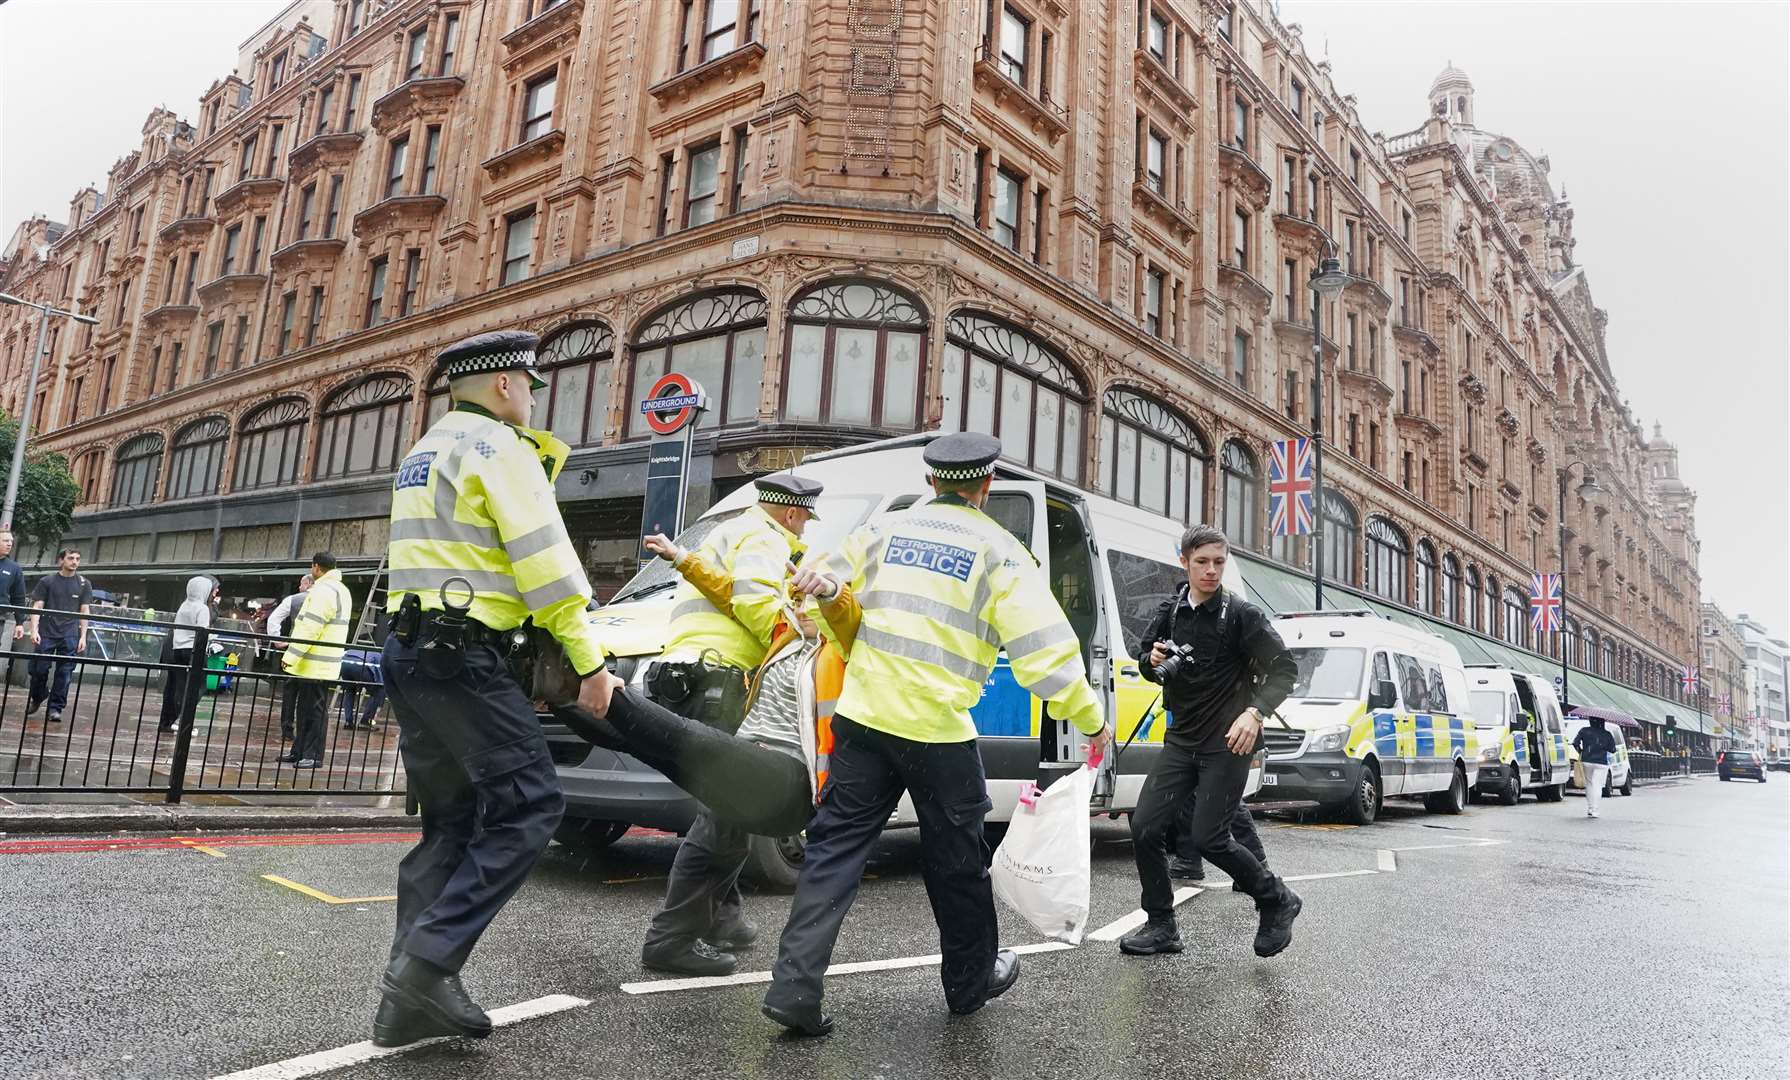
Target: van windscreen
x=1328, y=673
x=1488, y=708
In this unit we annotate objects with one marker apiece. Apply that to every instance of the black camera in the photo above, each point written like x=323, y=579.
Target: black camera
x=1170, y=669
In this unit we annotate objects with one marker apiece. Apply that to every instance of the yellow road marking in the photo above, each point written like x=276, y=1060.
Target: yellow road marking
x=213, y=852
x=318, y=894
x=632, y=880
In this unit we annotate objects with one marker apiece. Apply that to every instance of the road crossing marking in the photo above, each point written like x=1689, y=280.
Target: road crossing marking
x=1119, y=927
x=343, y=1056
x=318, y=894
x=1388, y=861
x=860, y=967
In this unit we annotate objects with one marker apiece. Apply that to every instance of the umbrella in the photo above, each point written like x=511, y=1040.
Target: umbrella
x=1608, y=716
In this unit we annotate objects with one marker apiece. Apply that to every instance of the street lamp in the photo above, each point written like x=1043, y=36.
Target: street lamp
x=1327, y=282
x=18, y=446
x=1588, y=486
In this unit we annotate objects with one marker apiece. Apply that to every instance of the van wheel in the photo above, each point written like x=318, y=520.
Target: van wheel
x=1452, y=801
x=1608, y=787
x=587, y=836
x=774, y=863
x=1552, y=793
x=1628, y=783
x=1512, y=792
x=1362, y=807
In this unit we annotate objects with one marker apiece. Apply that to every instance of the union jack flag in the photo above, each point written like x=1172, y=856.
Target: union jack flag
x=1689, y=680
x=1726, y=701
x=1291, y=486
x=1544, y=603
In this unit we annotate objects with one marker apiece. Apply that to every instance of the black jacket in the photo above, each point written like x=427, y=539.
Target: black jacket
x=1595, y=745
x=1239, y=660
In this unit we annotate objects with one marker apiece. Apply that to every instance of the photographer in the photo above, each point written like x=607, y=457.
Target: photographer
x=1207, y=647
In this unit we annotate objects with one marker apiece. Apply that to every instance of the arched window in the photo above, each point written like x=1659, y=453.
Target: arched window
x=1388, y=560
x=1471, y=611
x=716, y=339
x=1488, y=614
x=1516, y=616
x=197, y=462
x=1609, y=665
x=1590, y=654
x=1342, y=539
x=137, y=470
x=855, y=355
x=269, y=445
x=1426, y=577
x=1004, y=382
x=1152, y=457
x=578, y=364
x=1451, y=588
x=87, y=468
x=364, y=427
x=1242, y=481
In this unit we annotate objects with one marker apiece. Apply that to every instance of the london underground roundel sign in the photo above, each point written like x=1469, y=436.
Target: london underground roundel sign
x=673, y=402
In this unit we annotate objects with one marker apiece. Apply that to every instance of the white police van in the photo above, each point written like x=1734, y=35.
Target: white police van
x=1378, y=709
x=1521, y=744
x=1109, y=565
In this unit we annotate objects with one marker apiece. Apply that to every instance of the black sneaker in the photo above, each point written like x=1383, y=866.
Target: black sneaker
x=1276, y=930
x=1186, y=869
x=811, y=1024
x=33, y=704
x=420, y=986
x=1156, y=936
x=733, y=935
x=697, y=958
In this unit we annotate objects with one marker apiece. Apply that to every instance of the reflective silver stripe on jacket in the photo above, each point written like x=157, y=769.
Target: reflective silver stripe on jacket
x=936, y=610
x=925, y=652
x=748, y=587
x=1027, y=644
x=536, y=541
x=696, y=605
x=430, y=580
x=553, y=592
x=1059, y=680
x=444, y=528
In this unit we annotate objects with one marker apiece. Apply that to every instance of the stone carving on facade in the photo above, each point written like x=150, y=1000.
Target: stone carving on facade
x=1473, y=388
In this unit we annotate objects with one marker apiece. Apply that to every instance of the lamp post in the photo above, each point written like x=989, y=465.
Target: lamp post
x=1327, y=282
x=1588, y=487
x=18, y=446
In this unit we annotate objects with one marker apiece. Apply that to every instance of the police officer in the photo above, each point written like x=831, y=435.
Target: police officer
x=703, y=676
x=477, y=547
x=936, y=592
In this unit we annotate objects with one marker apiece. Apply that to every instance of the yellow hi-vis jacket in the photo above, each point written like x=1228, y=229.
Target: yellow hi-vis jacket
x=752, y=552
x=474, y=499
x=937, y=592
x=324, y=617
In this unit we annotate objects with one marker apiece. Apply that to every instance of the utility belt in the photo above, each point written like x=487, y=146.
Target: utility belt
x=704, y=690
x=532, y=656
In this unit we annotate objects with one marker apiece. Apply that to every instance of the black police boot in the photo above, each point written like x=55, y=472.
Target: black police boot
x=733, y=934
x=1277, y=914
x=396, y=1024
x=422, y=987
x=808, y=1023
x=696, y=958
x=1186, y=869
x=1155, y=936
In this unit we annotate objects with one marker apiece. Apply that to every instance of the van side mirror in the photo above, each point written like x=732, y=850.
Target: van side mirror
x=1519, y=722
x=1383, y=696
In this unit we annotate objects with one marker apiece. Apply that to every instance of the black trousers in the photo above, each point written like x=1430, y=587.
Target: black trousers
x=309, y=699
x=1214, y=782
x=174, y=686
x=479, y=766
x=1242, y=827
x=870, y=770
x=288, y=708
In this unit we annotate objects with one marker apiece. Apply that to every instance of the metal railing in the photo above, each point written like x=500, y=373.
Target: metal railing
x=228, y=722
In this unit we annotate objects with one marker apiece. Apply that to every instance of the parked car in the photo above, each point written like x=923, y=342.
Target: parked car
x=1743, y=763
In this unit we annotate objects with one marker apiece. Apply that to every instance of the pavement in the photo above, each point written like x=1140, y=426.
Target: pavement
x=1430, y=946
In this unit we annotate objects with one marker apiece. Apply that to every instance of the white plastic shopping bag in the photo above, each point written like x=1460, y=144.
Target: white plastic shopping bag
x=1042, y=869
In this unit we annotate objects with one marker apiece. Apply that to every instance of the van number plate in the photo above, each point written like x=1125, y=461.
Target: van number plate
x=1269, y=779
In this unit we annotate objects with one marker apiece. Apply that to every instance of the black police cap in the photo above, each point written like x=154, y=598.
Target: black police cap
x=963, y=455
x=788, y=489
x=499, y=350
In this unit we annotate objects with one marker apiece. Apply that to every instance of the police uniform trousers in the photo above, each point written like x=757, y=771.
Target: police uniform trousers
x=870, y=770
x=702, y=892
x=1242, y=828
x=490, y=798
x=1214, y=782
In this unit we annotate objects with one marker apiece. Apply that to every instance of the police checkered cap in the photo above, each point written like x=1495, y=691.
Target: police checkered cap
x=788, y=489
x=500, y=350
x=963, y=455
x=784, y=498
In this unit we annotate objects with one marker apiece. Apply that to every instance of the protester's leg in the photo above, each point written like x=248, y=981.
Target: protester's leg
x=862, y=791
x=705, y=871
x=1169, y=785
x=65, y=669
x=950, y=796
x=1243, y=831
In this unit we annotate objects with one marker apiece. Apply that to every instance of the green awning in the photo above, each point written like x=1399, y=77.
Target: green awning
x=1276, y=588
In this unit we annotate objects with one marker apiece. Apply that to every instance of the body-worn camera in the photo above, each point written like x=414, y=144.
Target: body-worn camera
x=1179, y=656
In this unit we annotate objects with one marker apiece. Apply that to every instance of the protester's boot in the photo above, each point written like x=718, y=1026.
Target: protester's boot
x=732, y=934
x=1277, y=912
x=422, y=987
x=1155, y=936
x=695, y=958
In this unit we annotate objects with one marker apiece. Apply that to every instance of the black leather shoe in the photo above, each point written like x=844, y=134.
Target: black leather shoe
x=286, y=759
x=733, y=935
x=810, y=1025
x=1276, y=930
x=1155, y=936
x=1000, y=980
x=1186, y=869
x=33, y=704
x=698, y=958
x=437, y=994
x=396, y=1024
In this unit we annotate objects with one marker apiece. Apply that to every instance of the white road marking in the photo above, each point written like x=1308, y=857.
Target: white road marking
x=1118, y=928
x=343, y=1056
x=1480, y=841
x=1388, y=861
x=860, y=967
x=1336, y=874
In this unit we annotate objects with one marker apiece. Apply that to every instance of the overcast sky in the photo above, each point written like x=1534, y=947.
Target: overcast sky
x=1665, y=123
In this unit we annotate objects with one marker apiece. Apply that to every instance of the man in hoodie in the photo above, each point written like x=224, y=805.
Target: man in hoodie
x=195, y=611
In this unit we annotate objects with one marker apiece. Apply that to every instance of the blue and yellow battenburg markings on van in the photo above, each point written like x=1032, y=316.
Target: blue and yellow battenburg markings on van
x=1411, y=736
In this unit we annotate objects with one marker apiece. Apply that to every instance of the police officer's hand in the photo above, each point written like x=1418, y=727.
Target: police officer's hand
x=1159, y=652
x=594, y=692
x=18, y=631
x=809, y=581
x=1244, y=731
x=663, y=546
x=1100, y=742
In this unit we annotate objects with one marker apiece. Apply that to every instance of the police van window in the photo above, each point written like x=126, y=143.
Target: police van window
x=1382, y=670
x=1488, y=708
x=1438, y=688
x=1328, y=673
x=1413, y=684
x=1141, y=585
x=1012, y=510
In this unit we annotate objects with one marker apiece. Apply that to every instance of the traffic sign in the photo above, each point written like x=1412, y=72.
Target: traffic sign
x=673, y=402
